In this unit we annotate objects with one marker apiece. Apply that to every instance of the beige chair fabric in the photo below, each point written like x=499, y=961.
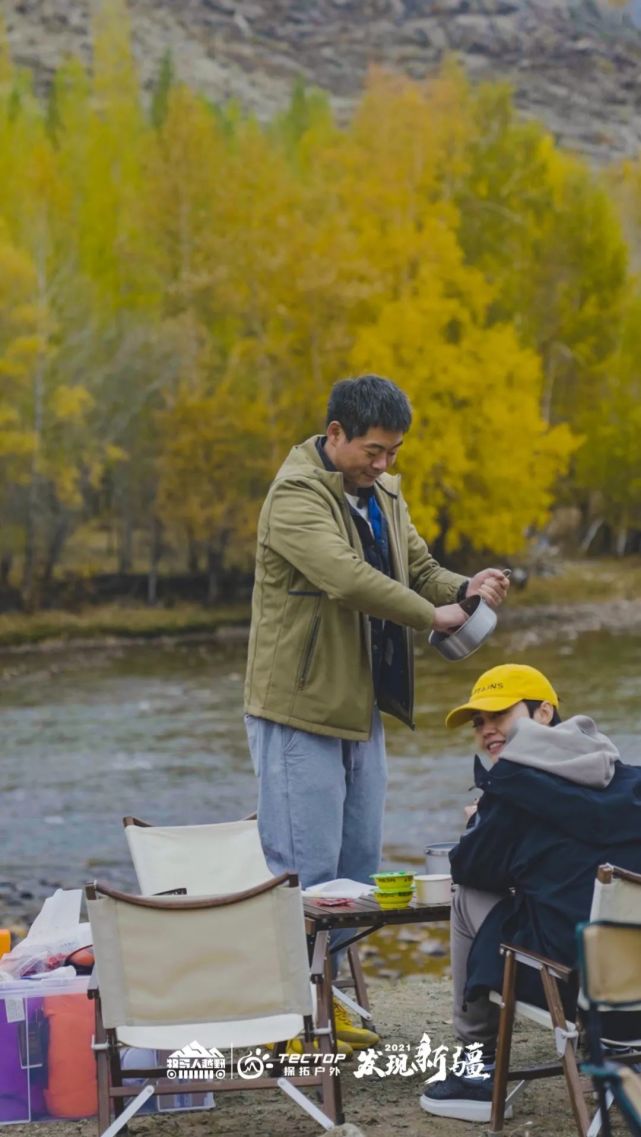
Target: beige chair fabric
x=617, y=899
x=207, y=860
x=613, y=963
x=185, y=965
x=610, y=959
x=223, y=972
x=631, y=1082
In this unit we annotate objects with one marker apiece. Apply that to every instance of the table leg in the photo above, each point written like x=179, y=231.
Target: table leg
x=360, y=987
x=321, y=972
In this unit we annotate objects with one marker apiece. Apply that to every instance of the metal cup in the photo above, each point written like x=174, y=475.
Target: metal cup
x=469, y=637
x=437, y=860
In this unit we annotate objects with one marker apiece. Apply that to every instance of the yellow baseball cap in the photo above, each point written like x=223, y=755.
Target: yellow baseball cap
x=501, y=687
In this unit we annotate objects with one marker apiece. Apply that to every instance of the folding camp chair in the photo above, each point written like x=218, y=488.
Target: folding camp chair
x=197, y=975
x=617, y=895
x=610, y=969
x=214, y=860
x=205, y=859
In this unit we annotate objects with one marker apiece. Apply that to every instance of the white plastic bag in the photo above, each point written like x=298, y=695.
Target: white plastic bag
x=55, y=933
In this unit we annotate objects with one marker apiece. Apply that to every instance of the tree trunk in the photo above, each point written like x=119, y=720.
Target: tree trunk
x=110, y=541
x=29, y=567
x=35, y=487
x=126, y=544
x=622, y=538
x=6, y=562
x=214, y=560
x=34, y=495
x=437, y=546
x=549, y=376
x=591, y=534
x=155, y=554
x=193, y=558
x=54, y=548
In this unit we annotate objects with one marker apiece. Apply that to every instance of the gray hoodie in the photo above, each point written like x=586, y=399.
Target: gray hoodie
x=574, y=750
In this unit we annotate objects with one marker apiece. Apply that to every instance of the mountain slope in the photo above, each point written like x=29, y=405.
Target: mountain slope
x=576, y=64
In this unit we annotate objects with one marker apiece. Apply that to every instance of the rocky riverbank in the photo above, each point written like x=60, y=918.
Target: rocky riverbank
x=529, y=625
x=545, y=623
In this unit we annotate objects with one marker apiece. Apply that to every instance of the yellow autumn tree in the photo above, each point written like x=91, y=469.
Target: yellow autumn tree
x=184, y=284
x=479, y=464
x=425, y=317
x=49, y=405
x=20, y=346
x=213, y=463
x=543, y=229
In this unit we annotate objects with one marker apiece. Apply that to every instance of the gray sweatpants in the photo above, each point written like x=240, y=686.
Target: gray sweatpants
x=477, y=1021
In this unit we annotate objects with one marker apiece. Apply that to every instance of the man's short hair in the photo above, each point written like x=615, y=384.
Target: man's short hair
x=359, y=404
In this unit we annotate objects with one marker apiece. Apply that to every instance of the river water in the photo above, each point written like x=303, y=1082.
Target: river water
x=156, y=731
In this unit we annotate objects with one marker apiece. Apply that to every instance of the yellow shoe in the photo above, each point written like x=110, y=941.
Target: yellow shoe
x=346, y=1031
x=295, y=1046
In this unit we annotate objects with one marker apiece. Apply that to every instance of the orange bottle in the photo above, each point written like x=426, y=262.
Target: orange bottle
x=5, y=941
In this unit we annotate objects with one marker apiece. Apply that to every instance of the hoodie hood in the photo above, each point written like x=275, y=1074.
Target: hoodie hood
x=568, y=777
x=574, y=750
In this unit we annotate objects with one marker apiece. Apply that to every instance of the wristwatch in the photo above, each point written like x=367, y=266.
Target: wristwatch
x=462, y=591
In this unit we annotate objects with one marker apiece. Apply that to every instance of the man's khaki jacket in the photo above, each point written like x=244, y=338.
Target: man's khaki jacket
x=309, y=662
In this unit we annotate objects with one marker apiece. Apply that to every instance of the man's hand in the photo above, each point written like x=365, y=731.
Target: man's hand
x=491, y=584
x=448, y=618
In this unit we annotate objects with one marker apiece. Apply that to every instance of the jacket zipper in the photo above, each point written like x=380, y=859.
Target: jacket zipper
x=354, y=540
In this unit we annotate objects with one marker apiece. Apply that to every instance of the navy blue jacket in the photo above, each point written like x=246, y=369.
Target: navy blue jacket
x=543, y=837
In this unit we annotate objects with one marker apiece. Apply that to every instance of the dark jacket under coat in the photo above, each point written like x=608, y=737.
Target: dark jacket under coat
x=543, y=836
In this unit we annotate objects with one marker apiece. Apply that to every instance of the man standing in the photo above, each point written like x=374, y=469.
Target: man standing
x=342, y=578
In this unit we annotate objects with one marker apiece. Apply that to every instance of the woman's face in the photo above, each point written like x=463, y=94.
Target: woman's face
x=491, y=728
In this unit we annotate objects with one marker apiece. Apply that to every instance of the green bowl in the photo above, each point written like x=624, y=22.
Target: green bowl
x=393, y=881
x=393, y=899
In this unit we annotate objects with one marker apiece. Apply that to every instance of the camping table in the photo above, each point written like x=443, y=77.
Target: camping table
x=364, y=916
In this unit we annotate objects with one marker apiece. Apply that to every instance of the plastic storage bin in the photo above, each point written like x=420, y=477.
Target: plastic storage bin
x=47, y=1065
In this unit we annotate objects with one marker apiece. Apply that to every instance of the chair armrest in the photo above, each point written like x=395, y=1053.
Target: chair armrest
x=538, y=962
x=606, y=873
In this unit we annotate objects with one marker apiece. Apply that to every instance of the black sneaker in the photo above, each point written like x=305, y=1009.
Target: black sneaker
x=465, y=1099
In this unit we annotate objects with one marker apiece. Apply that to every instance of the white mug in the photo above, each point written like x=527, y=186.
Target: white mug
x=433, y=888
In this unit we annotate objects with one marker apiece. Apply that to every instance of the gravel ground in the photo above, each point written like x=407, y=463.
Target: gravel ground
x=379, y=1107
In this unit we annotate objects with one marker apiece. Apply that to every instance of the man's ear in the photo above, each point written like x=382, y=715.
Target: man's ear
x=334, y=431
x=544, y=714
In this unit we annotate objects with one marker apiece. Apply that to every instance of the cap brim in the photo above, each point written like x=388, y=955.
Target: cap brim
x=463, y=714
